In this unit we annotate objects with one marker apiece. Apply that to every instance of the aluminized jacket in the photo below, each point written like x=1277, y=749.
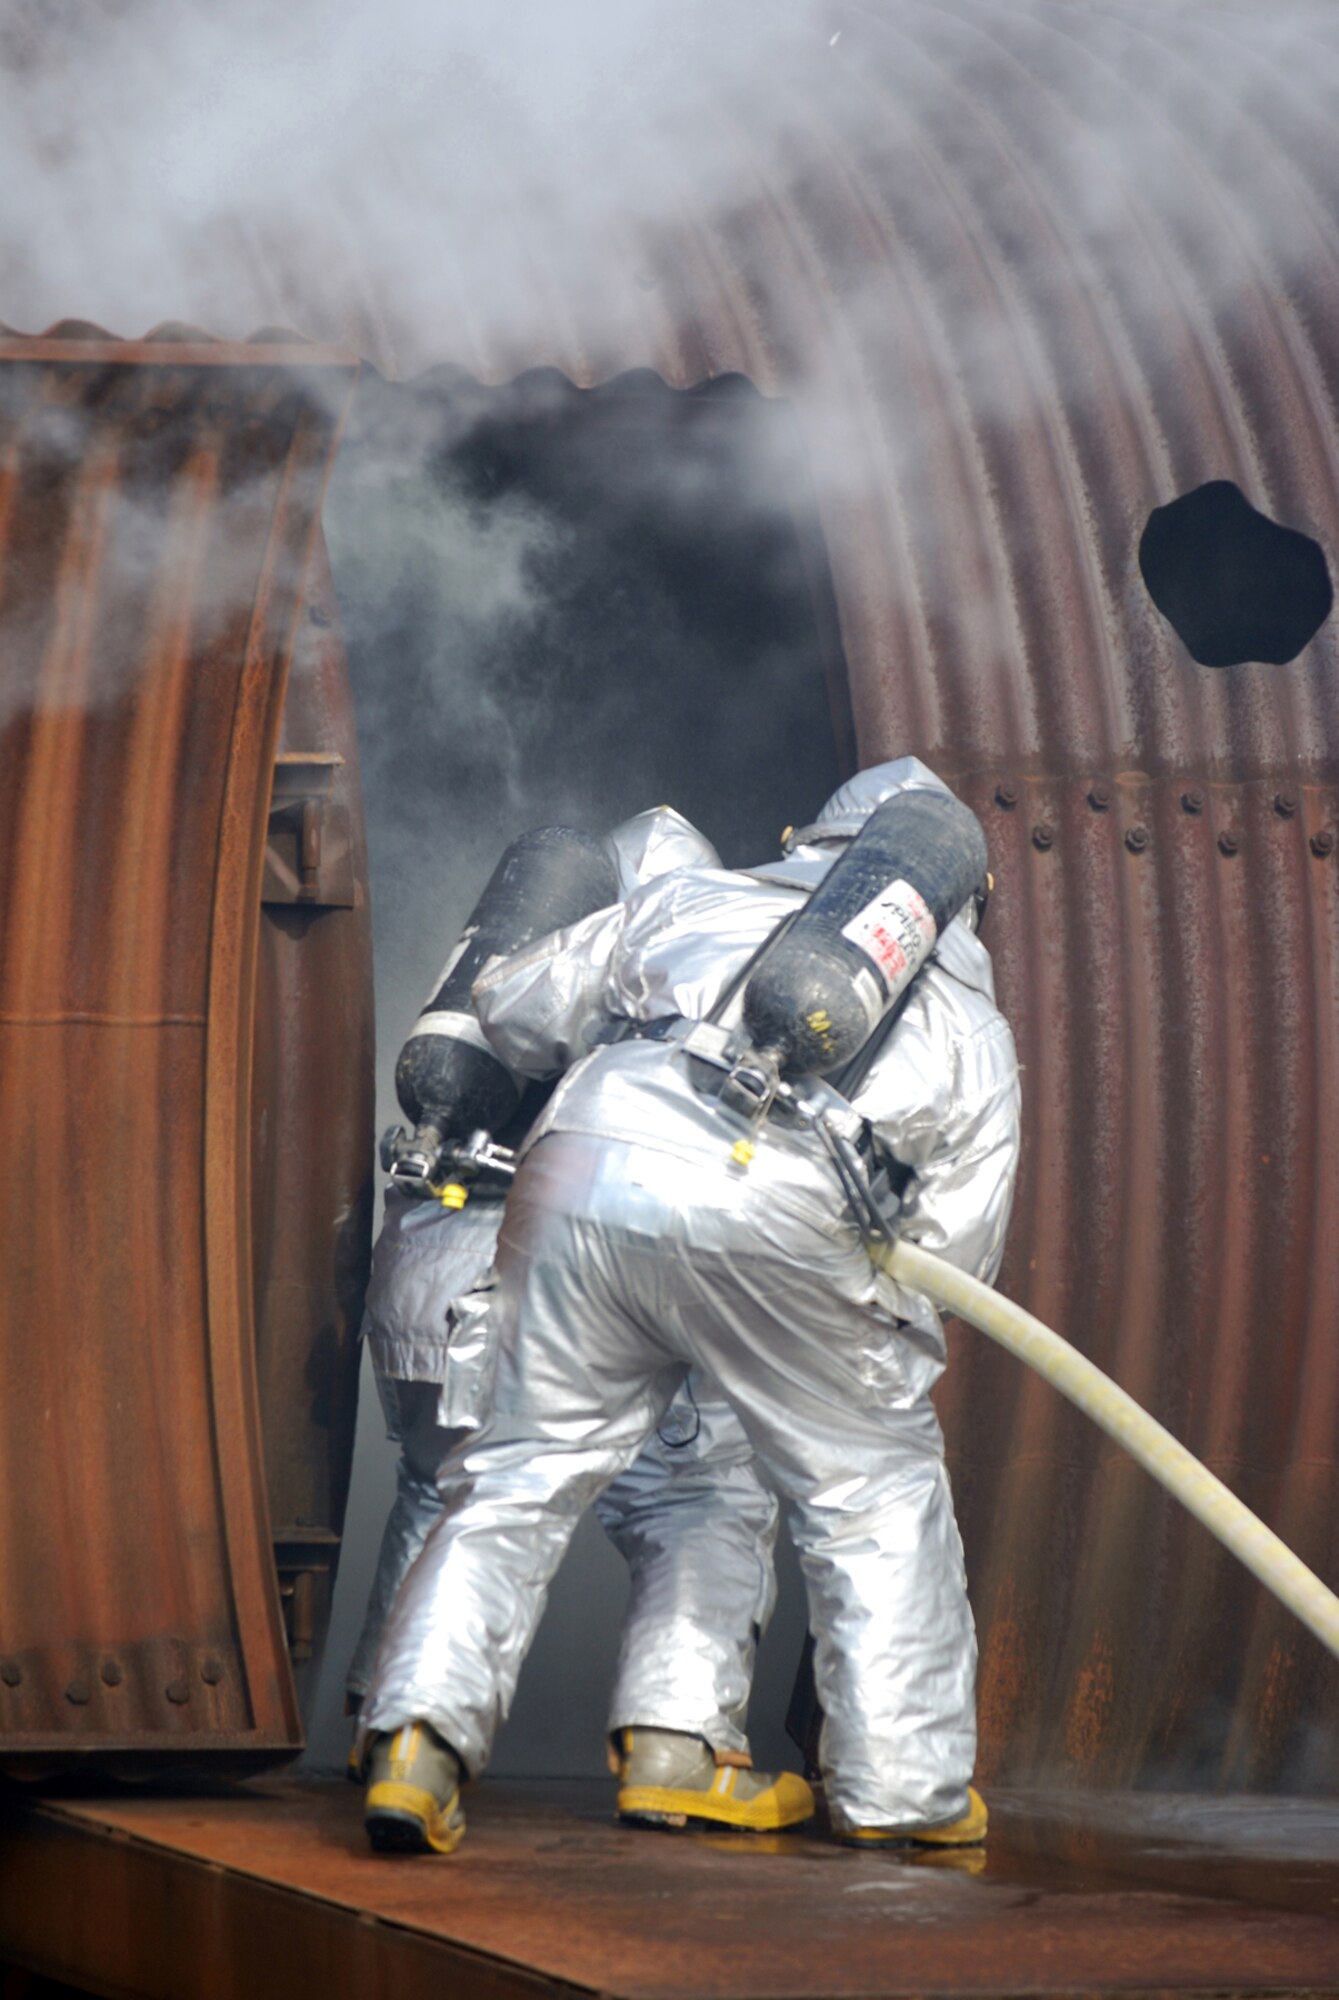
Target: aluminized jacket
x=691, y=1516
x=425, y=1255
x=634, y=1217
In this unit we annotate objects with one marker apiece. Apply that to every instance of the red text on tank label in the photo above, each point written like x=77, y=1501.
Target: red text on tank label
x=896, y=931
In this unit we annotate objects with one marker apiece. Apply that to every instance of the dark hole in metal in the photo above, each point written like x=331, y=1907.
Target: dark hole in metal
x=1234, y=585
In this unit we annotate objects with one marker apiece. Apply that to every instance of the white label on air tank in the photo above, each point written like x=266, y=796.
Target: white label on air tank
x=896, y=930
x=457, y=952
x=451, y=1022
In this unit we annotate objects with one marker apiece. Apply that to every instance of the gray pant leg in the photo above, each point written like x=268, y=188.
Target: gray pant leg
x=411, y=1421
x=895, y=1647
x=568, y=1417
x=834, y=1396
x=697, y=1528
x=836, y=1405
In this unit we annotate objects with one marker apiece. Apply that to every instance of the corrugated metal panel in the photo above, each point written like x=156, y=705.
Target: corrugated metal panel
x=312, y=1117
x=1176, y=1011
x=1028, y=273
x=158, y=506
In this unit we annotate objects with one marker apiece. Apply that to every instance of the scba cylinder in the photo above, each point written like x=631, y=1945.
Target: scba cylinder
x=821, y=990
x=447, y=1074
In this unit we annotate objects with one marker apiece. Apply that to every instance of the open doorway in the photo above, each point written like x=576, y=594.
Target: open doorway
x=567, y=606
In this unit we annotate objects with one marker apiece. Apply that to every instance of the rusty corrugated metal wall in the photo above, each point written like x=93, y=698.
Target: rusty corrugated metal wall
x=159, y=514
x=1028, y=273
x=312, y=1123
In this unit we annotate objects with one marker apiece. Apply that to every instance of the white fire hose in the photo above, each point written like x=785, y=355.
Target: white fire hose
x=1236, y=1527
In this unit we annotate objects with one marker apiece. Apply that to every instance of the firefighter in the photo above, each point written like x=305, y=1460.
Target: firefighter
x=653, y=1217
x=692, y=1518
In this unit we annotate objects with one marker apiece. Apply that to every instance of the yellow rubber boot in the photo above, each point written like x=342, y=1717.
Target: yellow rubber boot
x=969, y=1831
x=413, y=1792
x=669, y=1779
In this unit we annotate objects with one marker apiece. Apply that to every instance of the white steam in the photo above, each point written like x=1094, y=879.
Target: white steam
x=440, y=181
x=417, y=162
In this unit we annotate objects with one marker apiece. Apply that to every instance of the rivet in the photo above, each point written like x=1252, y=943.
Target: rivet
x=1228, y=841
x=318, y=615
x=112, y=1674
x=211, y=1672
x=11, y=1673
x=1043, y=835
x=1099, y=798
x=1137, y=839
x=1322, y=843
x=78, y=1692
x=1006, y=794
x=178, y=1692
x=1192, y=801
x=1285, y=804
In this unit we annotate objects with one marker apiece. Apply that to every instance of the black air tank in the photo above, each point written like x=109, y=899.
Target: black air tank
x=547, y=879
x=850, y=955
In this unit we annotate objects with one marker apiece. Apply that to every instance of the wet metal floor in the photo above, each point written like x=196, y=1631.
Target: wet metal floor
x=270, y=1889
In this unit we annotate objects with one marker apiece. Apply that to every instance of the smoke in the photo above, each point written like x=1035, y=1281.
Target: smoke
x=448, y=182
x=435, y=588
x=895, y=202
x=230, y=165
x=128, y=536
x=565, y=608
x=938, y=226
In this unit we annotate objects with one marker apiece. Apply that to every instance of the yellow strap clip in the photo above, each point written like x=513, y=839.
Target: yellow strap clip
x=742, y=1152
x=453, y=1195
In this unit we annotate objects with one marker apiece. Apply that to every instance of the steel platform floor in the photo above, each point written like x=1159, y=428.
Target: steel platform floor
x=269, y=1890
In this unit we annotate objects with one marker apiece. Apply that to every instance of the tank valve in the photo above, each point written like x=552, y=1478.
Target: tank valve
x=751, y=1084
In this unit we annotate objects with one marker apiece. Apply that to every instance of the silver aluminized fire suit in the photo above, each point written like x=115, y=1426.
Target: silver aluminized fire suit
x=635, y=1218
x=691, y=1517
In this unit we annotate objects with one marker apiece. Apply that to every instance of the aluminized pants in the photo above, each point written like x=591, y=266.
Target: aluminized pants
x=411, y=1422
x=697, y=1528
x=691, y=1518
x=661, y=1264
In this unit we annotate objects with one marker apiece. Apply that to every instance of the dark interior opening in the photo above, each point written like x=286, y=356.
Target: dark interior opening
x=1234, y=585
x=569, y=606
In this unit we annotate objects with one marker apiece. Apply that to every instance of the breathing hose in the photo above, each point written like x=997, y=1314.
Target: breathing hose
x=1206, y=1497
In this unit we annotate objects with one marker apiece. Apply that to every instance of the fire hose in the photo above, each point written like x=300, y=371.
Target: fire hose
x=1057, y=1362
x=1117, y=1413
x=821, y=1001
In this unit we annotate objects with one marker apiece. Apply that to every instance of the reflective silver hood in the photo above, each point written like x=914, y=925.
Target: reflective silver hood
x=809, y=851
x=656, y=843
